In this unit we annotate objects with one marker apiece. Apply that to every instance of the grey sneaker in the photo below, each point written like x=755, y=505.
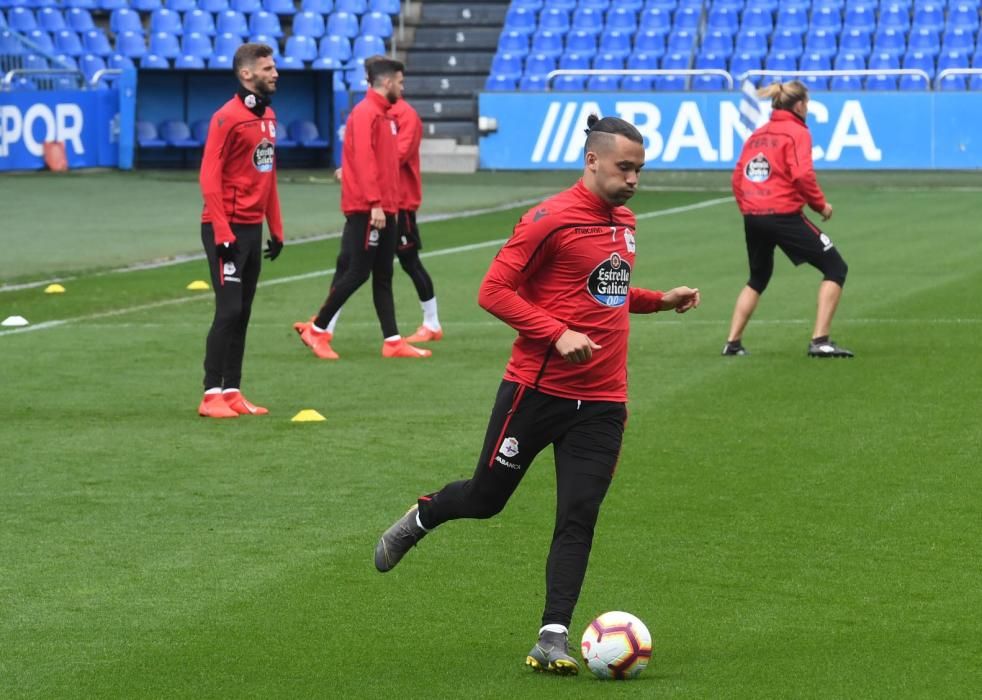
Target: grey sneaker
x=396, y=541
x=734, y=347
x=827, y=349
x=550, y=654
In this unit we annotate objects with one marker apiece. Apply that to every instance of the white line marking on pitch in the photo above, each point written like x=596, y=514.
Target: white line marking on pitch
x=45, y=325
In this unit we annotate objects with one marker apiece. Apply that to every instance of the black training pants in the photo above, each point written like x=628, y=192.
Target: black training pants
x=407, y=249
x=365, y=252
x=586, y=439
x=234, y=282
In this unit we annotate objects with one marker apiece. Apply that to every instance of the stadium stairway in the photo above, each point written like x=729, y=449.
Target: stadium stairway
x=447, y=63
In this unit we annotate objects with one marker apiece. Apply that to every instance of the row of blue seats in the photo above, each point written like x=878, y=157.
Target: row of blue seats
x=133, y=45
x=175, y=133
x=671, y=5
x=230, y=21
x=279, y=7
x=727, y=20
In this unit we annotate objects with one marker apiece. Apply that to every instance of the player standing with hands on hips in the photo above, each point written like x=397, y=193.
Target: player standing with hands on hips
x=563, y=282
x=238, y=183
x=773, y=180
x=370, y=201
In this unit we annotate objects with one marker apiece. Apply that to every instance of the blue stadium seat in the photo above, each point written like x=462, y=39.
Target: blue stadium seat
x=548, y=43
x=321, y=7
x=833, y=4
x=565, y=5
x=152, y=61
x=533, y=5
x=632, y=5
x=855, y=41
x=648, y=42
x=79, y=19
x=709, y=82
x=575, y=61
x=882, y=82
x=367, y=45
x=302, y=47
x=355, y=7
x=655, y=19
x=620, y=19
x=499, y=83
x=10, y=44
x=890, y=40
x=82, y=4
x=50, y=20
x=608, y=61
x=792, y=18
x=617, y=43
x=145, y=5
x=603, y=83
x=787, y=41
x=637, y=83
x=278, y=7
x=769, y=5
x=815, y=61
x=826, y=18
x=199, y=131
x=341, y=24
x=306, y=134
x=125, y=20
x=519, y=19
x=569, y=83
x=779, y=61
x=532, y=83
x=717, y=43
x=959, y=39
x=21, y=19
x=129, y=44
x=96, y=42
x=120, y=62
x=333, y=46
x=964, y=15
x=643, y=61
x=194, y=44
x=213, y=6
x=189, y=62
x=199, y=21
x=513, y=43
x=587, y=19
x=227, y=44
x=90, y=65
x=723, y=19
x=861, y=17
x=309, y=24
x=247, y=7
x=554, y=20
x=894, y=16
x=270, y=41
x=164, y=45
x=975, y=82
x=670, y=83
x=929, y=16
x=389, y=7
x=507, y=65
x=42, y=40
x=923, y=61
x=743, y=62
x=110, y=5
x=821, y=41
x=332, y=64
x=751, y=42
x=602, y=5
x=687, y=19
x=181, y=5
x=538, y=64
x=377, y=23
x=758, y=20
x=67, y=42
x=681, y=41
x=848, y=61
x=178, y=134
x=233, y=22
x=164, y=20
x=924, y=39
x=581, y=43
x=147, y=136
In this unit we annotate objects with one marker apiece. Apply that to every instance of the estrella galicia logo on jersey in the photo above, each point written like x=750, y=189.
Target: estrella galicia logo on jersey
x=509, y=447
x=610, y=280
x=262, y=157
x=758, y=168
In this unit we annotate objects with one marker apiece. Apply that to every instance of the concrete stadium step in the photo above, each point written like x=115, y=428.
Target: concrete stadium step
x=458, y=62
x=445, y=109
x=463, y=132
x=447, y=156
x=462, y=14
x=459, y=38
x=450, y=85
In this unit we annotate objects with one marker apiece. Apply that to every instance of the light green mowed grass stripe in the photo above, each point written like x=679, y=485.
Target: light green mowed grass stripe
x=786, y=527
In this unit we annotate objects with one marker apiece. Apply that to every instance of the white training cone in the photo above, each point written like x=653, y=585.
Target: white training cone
x=14, y=321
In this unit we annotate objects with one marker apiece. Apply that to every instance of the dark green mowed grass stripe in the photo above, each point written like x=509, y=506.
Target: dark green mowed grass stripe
x=786, y=527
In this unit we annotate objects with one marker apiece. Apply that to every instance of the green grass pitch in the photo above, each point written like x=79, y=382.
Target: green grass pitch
x=786, y=527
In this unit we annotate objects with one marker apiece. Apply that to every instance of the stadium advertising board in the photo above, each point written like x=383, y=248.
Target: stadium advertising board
x=704, y=131
x=95, y=125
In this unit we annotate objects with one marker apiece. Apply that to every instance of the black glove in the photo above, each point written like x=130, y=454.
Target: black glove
x=273, y=248
x=226, y=251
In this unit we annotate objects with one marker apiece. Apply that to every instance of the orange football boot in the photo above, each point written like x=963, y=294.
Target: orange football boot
x=425, y=335
x=401, y=348
x=212, y=406
x=241, y=405
x=318, y=341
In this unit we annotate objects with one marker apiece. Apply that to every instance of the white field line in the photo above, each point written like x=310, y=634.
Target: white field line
x=317, y=273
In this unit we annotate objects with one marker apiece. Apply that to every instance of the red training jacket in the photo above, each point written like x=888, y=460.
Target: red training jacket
x=775, y=174
x=369, y=158
x=410, y=128
x=238, y=171
x=568, y=265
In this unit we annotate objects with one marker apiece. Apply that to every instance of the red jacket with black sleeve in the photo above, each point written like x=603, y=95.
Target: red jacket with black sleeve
x=410, y=134
x=566, y=266
x=238, y=171
x=369, y=158
x=775, y=173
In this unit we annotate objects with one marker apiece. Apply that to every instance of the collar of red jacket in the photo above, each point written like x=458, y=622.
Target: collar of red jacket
x=380, y=100
x=786, y=115
x=588, y=197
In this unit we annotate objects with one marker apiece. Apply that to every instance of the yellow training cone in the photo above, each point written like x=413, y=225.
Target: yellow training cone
x=308, y=415
x=54, y=289
x=198, y=286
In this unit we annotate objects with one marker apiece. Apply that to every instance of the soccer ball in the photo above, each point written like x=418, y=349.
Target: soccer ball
x=616, y=645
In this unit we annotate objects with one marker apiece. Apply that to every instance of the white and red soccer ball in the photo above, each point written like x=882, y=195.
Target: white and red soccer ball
x=616, y=645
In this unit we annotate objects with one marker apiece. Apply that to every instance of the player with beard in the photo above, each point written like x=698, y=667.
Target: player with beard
x=370, y=201
x=562, y=281
x=238, y=183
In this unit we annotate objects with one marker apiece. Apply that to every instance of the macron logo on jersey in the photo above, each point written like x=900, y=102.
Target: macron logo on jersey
x=610, y=281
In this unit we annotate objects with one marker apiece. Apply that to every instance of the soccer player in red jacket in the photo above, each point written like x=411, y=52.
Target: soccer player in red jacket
x=238, y=183
x=773, y=180
x=563, y=281
x=370, y=201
